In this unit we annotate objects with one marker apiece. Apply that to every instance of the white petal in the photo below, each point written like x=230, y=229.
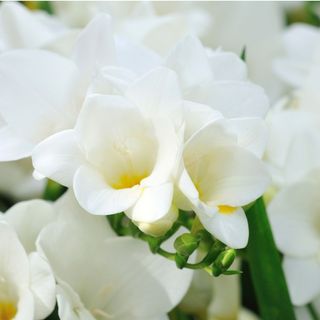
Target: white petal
x=70, y=306
x=149, y=284
x=293, y=216
x=232, y=228
x=13, y=258
x=28, y=218
x=136, y=57
x=153, y=203
x=95, y=196
x=303, y=155
x=157, y=94
x=12, y=146
x=302, y=278
x=161, y=226
x=21, y=28
x=115, y=143
x=25, y=306
x=229, y=176
x=232, y=98
x=190, y=61
x=43, y=286
x=227, y=66
x=95, y=45
x=58, y=157
x=197, y=115
x=48, y=99
x=252, y=134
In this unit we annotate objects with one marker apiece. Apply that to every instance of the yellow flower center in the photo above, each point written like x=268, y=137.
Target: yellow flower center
x=8, y=310
x=128, y=181
x=226, y=209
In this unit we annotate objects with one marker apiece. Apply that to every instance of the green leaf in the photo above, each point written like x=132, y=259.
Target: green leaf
x=265, y=265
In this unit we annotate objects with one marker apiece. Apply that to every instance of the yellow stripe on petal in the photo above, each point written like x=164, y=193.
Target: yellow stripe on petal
x=226, y=209
x=8, y=310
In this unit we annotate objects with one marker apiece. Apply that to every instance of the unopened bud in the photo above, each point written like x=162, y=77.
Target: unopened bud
x=186, y=244
x=223, y=262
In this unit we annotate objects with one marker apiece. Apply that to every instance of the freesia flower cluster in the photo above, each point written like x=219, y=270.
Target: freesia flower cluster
x=132, y=147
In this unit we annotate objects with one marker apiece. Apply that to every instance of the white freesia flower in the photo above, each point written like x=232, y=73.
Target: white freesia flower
x=216, y=78
x=302, y=54
x=294, y=214
x=219, y=177
x=254, y=26
x=27, y=286
x=21, y=28
x=293, y=148
x=101, y=275
x=123, y=153
x=155, y=25
x=28, y=219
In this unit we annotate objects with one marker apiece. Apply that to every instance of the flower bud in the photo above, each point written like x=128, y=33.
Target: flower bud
x=186, y=244
x=223, y=262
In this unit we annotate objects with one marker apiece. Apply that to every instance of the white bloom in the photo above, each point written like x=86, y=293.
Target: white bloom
x=123, y=153
x=301, y=43
x=155, y=25
x=294, y=214
x=255, y=26
x=101, y=275
x=26, y=284
x=293, y=148
x=219, y=177
x=21, y=28
x=28, y=219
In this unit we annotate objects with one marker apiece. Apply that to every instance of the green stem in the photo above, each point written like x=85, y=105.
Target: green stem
x=312, y=311
x=265, y=265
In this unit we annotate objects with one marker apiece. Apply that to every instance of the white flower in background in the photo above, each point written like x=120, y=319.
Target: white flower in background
x=256, y=26
x=216, y=298
x=295, y=219
x=123, y=153
x=21, y=28
x=302, y=54
x=17, y=181
x=155, y=25
x=293, y=148
x=219, y=177
x=101, y=275
x=28, y=219
x=217, y=79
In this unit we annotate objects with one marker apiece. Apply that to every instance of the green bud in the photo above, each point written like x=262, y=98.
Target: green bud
x=214, y=251
x=223, y=262
x=181, y=260
x=186, y=244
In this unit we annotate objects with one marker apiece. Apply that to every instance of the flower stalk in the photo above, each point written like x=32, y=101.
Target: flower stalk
x=265, y=264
